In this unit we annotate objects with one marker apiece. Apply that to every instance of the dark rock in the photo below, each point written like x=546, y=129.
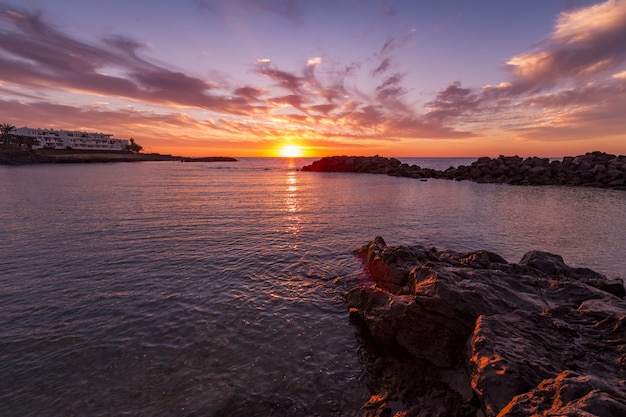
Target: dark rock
x=594, y=169
x=470, y=334
x=372, y=165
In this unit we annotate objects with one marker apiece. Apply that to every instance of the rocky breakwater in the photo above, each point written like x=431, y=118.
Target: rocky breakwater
x=469, y=334
x=594, y=169
x=371, y=165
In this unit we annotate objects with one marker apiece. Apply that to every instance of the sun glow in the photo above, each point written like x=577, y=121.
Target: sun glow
x=291, y=151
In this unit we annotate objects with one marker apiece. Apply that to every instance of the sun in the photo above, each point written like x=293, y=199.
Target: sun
x=291, y=151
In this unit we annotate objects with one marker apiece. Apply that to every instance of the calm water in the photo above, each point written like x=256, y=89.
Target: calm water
x=216, y=289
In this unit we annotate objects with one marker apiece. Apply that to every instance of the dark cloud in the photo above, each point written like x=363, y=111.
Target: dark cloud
x=391, y=93
x=325, y=109
x=123, y=120
x=453, y=101
x=282, y=79
x=250, y=93
x=384, y=66
x=292, y=100
x=38, y=55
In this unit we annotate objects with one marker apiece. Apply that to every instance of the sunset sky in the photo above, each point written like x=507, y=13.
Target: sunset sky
x=358, y=77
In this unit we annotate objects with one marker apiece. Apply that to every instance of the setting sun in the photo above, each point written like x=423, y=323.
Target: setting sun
x=290, y=151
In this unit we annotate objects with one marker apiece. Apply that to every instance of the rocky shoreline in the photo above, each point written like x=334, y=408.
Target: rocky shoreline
x=82, y=157
x=469, y=334
x=593, y=169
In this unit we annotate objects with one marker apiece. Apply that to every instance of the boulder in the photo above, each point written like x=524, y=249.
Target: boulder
x=470, y=334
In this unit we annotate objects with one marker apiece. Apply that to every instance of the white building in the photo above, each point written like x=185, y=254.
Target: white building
x=74, y=139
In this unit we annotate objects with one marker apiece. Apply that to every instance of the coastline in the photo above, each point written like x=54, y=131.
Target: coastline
x=65, y=156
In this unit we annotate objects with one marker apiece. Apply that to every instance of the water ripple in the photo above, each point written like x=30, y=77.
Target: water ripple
x=218, y=289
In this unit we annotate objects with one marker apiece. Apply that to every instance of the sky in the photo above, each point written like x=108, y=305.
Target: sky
x=255, y=78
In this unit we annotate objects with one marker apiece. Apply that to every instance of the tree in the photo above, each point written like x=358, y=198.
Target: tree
x=6, y=132
x=133, y=146
x=29, y=141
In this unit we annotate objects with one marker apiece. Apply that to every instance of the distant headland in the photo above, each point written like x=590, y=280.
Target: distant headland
x=593, y=169
x=25, y=145
x=68, y=156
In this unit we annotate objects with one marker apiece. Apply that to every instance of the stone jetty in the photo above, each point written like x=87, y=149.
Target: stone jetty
x=593, y=169
x=469, y=334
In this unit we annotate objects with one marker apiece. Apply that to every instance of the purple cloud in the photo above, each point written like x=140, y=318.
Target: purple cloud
x=36, y=55
x=39, y=56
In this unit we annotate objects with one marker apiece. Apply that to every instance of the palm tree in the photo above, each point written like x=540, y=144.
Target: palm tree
x=6, y=130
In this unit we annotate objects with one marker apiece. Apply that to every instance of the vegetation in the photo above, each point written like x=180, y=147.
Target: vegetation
x=6, y=132
x=133, y=146
x=13, y=141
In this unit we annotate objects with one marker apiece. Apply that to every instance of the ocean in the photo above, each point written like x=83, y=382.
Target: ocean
x=218, y=289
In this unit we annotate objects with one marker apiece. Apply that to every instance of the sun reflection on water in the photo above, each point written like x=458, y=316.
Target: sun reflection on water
x=291, y=200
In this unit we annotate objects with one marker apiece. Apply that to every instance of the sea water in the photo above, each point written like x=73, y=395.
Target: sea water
x=218, y=289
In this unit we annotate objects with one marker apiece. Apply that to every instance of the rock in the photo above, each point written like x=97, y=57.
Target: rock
x=569, y=394
x=470, y=334
x=372, y=165
x=594, y=169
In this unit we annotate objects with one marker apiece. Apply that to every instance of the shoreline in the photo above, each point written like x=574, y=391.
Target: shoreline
x=65, y=156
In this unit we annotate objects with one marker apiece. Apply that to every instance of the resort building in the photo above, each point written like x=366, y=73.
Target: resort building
x=72, y=139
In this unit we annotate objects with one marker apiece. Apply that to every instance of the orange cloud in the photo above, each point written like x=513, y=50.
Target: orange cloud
x=569, y=88
x=585, y=42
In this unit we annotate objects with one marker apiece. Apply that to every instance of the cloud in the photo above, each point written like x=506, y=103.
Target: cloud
x=570, y=79
x=578, y=113
x=585, y=42
x=314, y=61
x=453, y=101
x=316, y=101
x=93, y=117
x=282, y=79
x=385, y=64
x=37, y=55
x=396, y=43
x=250, y=93
x=292, y=100
x=620, y=75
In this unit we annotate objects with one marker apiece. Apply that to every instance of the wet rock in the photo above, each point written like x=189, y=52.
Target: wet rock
x=569, y=394
x=470, y=334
